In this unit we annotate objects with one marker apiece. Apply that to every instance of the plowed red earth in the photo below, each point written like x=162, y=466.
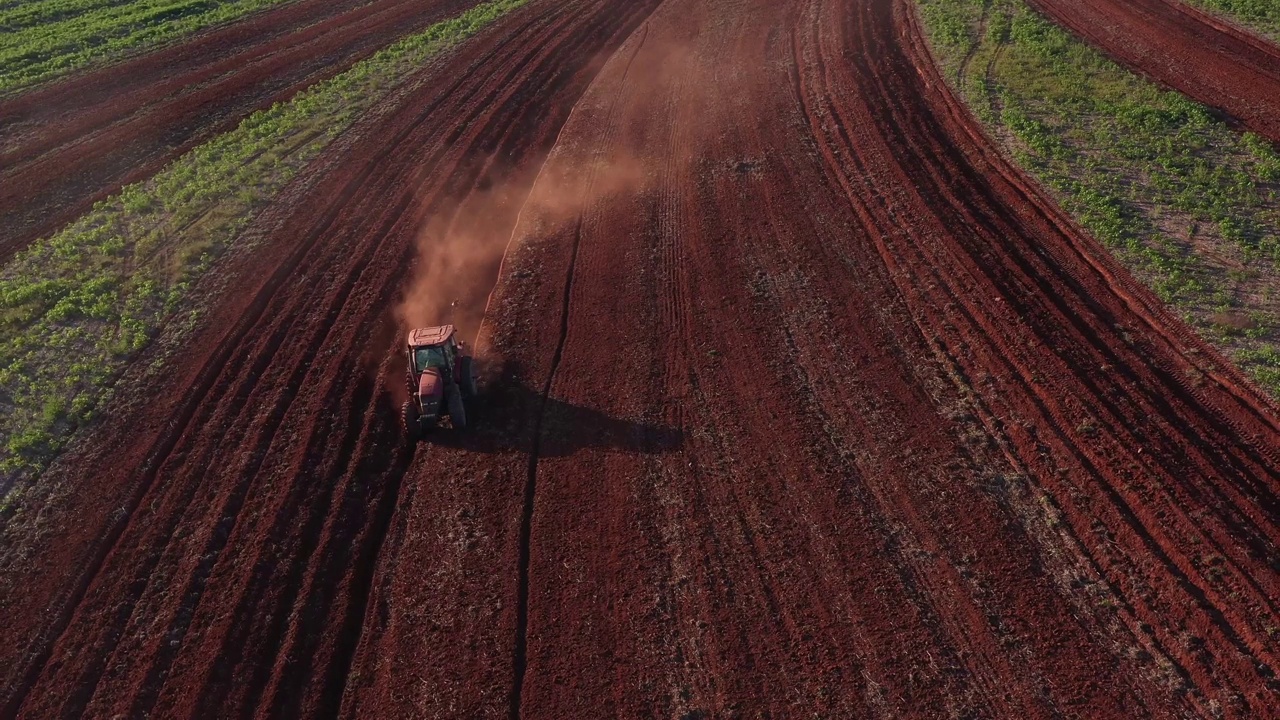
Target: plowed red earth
x=66, y=145
x=1201, y=56
x=804, y=402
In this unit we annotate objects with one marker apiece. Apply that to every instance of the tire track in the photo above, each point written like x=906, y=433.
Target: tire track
x=520, y=659
x=520, y=650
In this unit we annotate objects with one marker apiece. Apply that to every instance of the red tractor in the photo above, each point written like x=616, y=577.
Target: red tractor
x=441, y=378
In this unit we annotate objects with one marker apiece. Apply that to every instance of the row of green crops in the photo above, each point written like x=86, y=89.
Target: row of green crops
x=1262, y=16
x=74, y=308
x=1185, y=202
x=45, y=38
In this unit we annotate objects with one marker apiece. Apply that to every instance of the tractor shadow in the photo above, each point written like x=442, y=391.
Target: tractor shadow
x=505, y=418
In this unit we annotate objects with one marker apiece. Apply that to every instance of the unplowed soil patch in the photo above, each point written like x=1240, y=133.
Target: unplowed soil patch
x=801, y=401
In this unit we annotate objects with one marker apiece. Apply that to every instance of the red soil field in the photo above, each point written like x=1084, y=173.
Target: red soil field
x=69, y=144
x=802, y=401
x=1197, y=54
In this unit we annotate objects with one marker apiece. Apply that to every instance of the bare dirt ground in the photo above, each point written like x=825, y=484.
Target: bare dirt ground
x=1211, y=61
x=801, y=402
x=68, y=144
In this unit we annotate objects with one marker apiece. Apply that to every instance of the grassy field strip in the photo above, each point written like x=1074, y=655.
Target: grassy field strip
x=45, y=38
x=1260, y=16
x=21, y=15
x=1189, y=205
x=76, y=306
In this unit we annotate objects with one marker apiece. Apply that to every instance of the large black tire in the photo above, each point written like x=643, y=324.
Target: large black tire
x=409, y=421
x=457, y=408
x=467, y=371
x=409, y=384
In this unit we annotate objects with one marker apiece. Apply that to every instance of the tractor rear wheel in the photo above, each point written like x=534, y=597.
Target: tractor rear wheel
x=457, y=409
x=409, y=421
x=467, y=373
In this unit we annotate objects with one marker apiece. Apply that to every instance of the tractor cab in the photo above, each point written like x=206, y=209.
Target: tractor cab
x=441, y=376
x=433, y=348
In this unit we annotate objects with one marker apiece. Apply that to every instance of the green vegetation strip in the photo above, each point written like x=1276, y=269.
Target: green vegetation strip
x=1189, y=205
x=74, y=308
x=1261, y=16
x=45, y=38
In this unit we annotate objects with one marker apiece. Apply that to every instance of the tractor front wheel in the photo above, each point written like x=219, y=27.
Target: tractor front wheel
x=457, y=409
x=409, y=421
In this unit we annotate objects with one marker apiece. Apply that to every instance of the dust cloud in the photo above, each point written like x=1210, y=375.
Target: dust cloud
x=459, y=252
x=460, y=249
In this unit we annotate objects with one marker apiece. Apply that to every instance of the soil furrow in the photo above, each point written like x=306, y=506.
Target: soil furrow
x=520, y=652
x=520, y=658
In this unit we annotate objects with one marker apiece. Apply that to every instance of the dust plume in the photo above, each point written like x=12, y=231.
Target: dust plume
x=460, y=248
x=460, y=251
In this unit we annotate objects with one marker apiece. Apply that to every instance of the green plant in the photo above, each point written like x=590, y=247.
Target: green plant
x=1262, y=16
x=45, y=38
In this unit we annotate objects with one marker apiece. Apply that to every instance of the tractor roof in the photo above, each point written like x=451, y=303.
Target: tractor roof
x=430, y=335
